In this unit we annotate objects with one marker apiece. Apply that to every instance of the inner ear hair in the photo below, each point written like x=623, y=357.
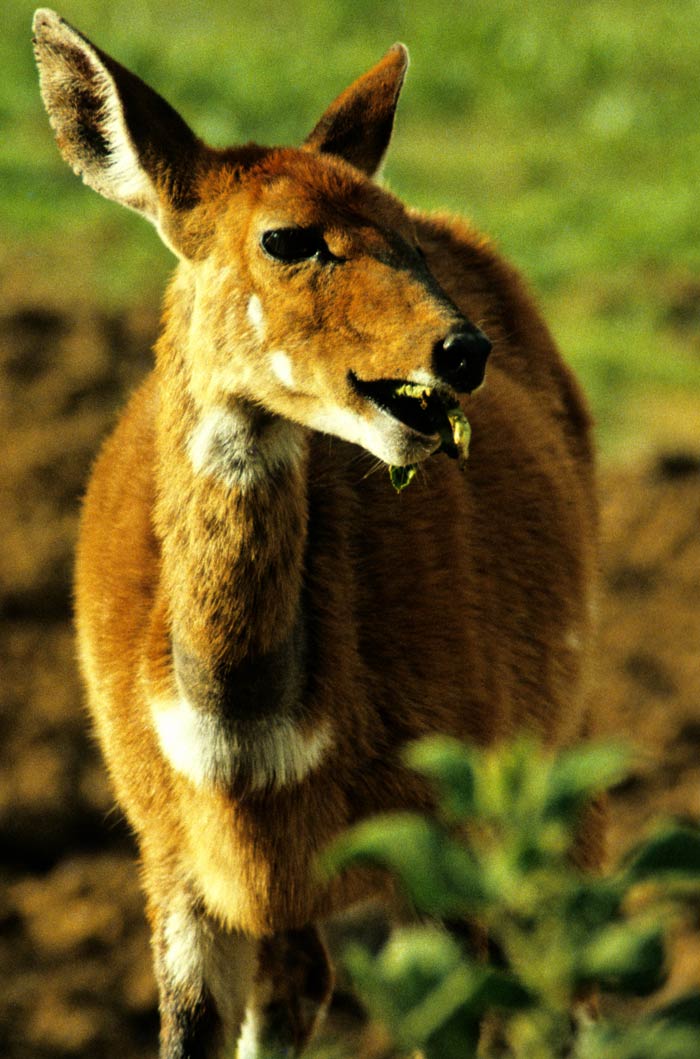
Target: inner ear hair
x=358, y=124
x=125, y=141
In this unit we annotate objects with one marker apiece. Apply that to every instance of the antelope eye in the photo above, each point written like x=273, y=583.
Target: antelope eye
x=294, y=244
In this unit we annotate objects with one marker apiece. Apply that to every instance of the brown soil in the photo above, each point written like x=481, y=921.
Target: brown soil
x=74, y=958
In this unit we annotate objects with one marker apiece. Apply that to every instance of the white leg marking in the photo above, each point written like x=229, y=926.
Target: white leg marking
x=282, y=369
x=199, y=954
x=184, y=950
x=249, y=1040
x=206, y=750
x=225, y=444
x=256, y=316
x=250, y=1043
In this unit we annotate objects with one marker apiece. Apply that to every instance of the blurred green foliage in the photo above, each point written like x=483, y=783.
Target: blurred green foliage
x=569, y=133
x=559, y=933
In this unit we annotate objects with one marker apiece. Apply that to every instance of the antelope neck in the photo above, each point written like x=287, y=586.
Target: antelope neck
x=232, y=516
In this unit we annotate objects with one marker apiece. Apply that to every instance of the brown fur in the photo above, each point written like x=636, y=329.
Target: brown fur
x=263, y=573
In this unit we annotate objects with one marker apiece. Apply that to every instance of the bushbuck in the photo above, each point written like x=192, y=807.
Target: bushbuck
x=263, y=621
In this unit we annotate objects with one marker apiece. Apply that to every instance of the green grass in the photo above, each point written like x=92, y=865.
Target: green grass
x=570, y=133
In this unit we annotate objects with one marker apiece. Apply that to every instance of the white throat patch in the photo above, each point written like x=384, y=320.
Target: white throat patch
x=225, y=445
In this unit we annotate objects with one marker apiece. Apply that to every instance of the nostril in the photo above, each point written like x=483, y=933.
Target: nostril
x=466, y=344
x=460, y=359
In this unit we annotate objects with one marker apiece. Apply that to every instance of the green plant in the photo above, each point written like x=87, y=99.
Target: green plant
x=562, y=934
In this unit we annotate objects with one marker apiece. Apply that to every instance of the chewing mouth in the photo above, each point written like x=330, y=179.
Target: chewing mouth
x=424, y=412
x=418, y=407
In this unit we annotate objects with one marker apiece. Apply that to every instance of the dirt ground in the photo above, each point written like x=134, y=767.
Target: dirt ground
x=74, y=958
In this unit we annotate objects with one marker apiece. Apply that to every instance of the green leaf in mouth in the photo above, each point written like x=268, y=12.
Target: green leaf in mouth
x=402, y=476
x=456, y=435
x=461, y=435
x=413, y=389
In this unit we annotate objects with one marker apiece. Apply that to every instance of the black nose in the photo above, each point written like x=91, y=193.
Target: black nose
x=460, y=359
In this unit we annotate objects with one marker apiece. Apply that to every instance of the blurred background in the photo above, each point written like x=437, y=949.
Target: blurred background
x=571, y=135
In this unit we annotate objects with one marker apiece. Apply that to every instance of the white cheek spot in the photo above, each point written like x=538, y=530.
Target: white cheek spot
x=256, y=316
x=282, y=369
x=226, y=445
x=207, y=750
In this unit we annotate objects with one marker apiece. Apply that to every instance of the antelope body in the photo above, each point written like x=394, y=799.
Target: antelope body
x=263, y=623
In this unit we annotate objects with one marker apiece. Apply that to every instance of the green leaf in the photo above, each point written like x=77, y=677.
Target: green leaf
x=400, y=986
x=439, y=875
x=520, y=768
x=467, y=990
x=421, y=988
x=458, y=1037
x=451, y=766
x=625, y=958
x=415, y=960
x=685, y=1010
x=592, y=903
x=645, y=1040
x=456, y=440
x=576, y=775
x=402, y=476
x=671, y=855
x=501, y=991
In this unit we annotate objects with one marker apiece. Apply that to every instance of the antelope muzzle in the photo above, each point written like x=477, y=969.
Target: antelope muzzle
x=460, y=358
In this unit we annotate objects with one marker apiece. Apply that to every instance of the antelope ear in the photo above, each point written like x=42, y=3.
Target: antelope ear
x=116, y=132
x=358, y=125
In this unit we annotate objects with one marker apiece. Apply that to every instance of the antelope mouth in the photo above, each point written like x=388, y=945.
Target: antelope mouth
x=417, y=407
x=427, y=414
